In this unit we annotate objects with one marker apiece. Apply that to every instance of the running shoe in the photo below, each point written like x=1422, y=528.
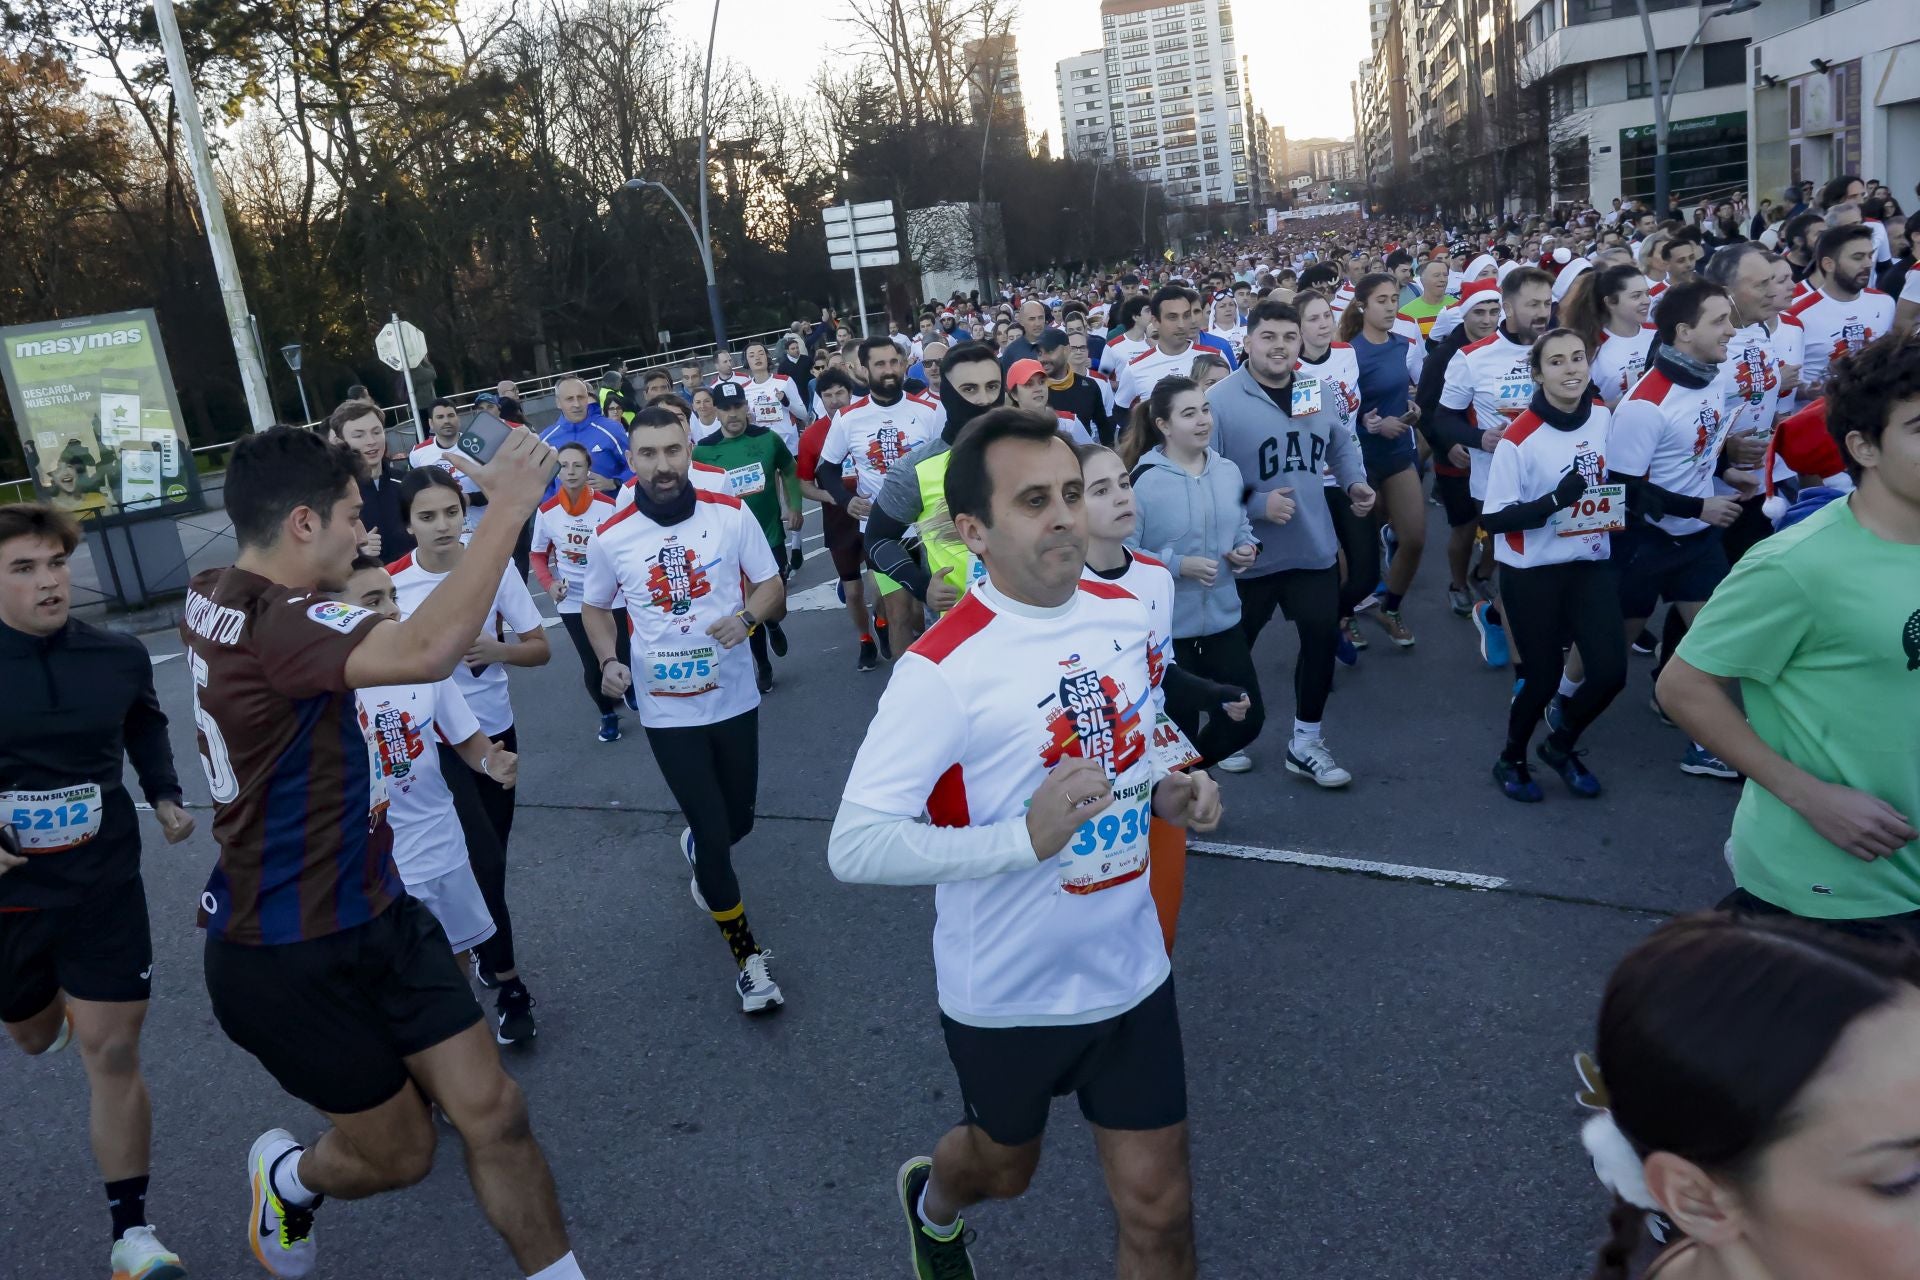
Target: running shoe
x=1313, y=760
x=1577, y=776
x=869, y=655
x=1516, y=782
x=513, y=1015
x=1368, y=602
x=1705, y=764
x=281, y=1235
x=1344, y=651
x=633, y=698
x=1397, y=630
x=610, y=727
x=1493, y=638
x=795, y=558
x=758, y=991
x=881, y=638
x=139, y=1255
x=686, y=851
x=61, y=1039
x=1644, y=644
x=776, y=640
x=481, y=974
x=1653, y=701
x=934, y=1258
x=840, y=592
x=1555, y=715
x=1481, y=587
x=763, y=676
x=1238, y=762
x=1388, y=545
x=1460, y=600
x=1357, y=637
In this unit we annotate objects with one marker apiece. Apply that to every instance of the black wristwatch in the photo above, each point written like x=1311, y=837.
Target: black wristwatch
x=746, y=616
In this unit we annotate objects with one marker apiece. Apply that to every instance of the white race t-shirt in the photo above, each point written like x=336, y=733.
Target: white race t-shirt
x=1619, y=362
x=776, y=405
x=1141, y=374
x=1672, y=434
x=1528, y=463
x=405, y=723
x=876, y=436
x=429, y=454
x=1493, y=381
x=1833, y=328
x=678, y=580
x=566, y=531
x=513, y=607
x=976, y=713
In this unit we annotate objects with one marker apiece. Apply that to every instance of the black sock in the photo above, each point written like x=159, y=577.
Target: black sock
x=127, y=1201
x=512, y=987
x=1392, y=602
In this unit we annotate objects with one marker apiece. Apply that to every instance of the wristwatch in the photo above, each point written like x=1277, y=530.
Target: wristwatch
x=747, y=618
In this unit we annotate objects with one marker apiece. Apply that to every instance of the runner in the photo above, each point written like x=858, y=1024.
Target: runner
x=760, y=472
x=1610, y=311
x=1433, y=298
x=1552, y=510
x=1479, y=312
x=775, y=403
x=1071, y=392
x=580, y=423
x=699, y=577
x=317, y=962
x=560, y=531
x=1704, y=1152
x=404, y=722
x=1281, y=430
x=1134, y=321
x=840, y=531
x=1389, y=361
x=443, y=423
x=76, y=956
x=1190, y=517
x=435, y=517
x=1052, y=968
x=1176, y=315
x=1333, y=365
x=876, y=432
x=1027, y=389
x=1843, y=314
x=913, y=497
x=1666, y=447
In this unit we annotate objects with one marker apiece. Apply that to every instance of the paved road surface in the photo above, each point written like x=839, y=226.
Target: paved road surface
x=1381, y=1075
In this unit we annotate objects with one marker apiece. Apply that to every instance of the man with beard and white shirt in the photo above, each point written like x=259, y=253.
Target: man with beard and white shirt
x=1843, y=314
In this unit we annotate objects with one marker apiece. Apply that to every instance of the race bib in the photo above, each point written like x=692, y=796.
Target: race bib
x=682, y=673
x=1601, y=509
x=53, y=821
x=1170, y=746
x=750, y=479
x=1110, y=849
x=1306, y=396
x=1515, y=394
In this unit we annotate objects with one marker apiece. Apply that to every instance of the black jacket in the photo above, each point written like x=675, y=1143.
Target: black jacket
x=380, y=510
x=79, y=703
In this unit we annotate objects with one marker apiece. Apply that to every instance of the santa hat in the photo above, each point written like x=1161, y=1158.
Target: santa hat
x=1803, y=442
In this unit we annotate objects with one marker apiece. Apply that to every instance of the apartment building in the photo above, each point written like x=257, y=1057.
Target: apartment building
x=994, y=84
x=1084, y=109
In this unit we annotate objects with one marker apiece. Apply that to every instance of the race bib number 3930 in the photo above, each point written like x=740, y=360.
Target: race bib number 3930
x=1109, y=849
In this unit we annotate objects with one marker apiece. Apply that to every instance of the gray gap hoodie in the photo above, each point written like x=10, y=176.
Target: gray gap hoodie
x=1187, y=515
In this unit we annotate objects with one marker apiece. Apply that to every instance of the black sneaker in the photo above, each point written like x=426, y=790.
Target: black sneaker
x=1644, y=644
x=481, y=974
x=794, y=560
x=776, y=640
x=881, y=639
x=763, y=676
x=933, y=1259
x=1572, y=771
x=869, y=655
x=513, y=1015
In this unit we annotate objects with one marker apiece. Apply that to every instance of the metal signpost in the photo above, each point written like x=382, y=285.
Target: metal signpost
x=861, y=235
x=400, y=347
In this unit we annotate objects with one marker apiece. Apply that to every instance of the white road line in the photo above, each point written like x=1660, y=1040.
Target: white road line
x=818, y=599
x=1392, y=870
x=159, y=658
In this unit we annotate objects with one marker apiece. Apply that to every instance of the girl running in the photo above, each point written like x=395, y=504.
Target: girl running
x=1389, y=364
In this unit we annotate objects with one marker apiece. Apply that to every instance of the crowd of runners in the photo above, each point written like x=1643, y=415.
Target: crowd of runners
x=1063, y=518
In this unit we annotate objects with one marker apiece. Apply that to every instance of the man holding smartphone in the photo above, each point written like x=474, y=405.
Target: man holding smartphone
x=76, y=958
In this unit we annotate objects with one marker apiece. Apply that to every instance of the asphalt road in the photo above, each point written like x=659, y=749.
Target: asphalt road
x=1380, y=1068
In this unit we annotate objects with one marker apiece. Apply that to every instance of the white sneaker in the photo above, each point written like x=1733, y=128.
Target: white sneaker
x=686, y=850
x=139, y=1255
x=1313, y=760
x=280, y=1234
x=756, y=986
x=60, y=1040
x=1238, y=762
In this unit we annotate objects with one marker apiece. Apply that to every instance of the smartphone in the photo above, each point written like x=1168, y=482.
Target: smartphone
x=481, y=438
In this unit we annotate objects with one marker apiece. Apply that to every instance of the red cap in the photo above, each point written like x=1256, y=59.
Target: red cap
x=1022, y=370
x=1805, y=444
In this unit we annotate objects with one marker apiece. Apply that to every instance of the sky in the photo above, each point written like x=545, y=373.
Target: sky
x=1300, y=86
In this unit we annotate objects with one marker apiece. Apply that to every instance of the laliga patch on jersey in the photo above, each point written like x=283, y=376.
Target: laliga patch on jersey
x=340, y=617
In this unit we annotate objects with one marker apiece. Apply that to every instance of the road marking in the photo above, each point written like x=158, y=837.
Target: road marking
x=159, y=658
x=1363, y=866
x=821, y=599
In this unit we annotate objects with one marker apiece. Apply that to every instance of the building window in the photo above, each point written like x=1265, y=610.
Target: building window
x=1724, y=63
x=1638, y=86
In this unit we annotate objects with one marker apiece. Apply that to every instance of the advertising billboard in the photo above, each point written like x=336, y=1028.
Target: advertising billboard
x=94, y=403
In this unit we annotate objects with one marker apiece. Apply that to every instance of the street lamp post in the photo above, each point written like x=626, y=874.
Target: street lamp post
x=291, y=354
x=700, y=243
x=1663, y=100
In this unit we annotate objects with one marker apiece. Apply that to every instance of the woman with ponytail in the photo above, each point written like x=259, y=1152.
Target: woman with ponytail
x=1613, y=320
x=1758, y=1081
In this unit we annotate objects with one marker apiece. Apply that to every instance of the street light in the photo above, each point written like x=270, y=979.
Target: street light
x=699, y=243
x=291, y=354
x=1663, y=102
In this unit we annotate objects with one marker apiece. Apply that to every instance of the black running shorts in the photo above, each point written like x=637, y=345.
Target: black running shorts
x=333, y=1019
x=844, y=543
x=1128, y=1072
x=1654, y=566
x=97, y=949
x=1456, y=496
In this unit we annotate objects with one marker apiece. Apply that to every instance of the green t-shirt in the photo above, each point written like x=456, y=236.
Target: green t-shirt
x=755, y=460
x=1821, y=625
x=1424, y=313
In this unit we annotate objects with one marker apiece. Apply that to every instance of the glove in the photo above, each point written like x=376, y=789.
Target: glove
x=1568, y=491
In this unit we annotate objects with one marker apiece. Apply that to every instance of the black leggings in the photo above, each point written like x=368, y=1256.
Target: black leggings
x=1360, y=541
x=1311, y=600
x=1223, y=657
x=590, y=665
x=1547, y=608
x=474, y=804
x=713, y=771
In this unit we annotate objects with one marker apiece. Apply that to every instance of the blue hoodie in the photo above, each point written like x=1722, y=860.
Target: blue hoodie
x=1181, y=514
